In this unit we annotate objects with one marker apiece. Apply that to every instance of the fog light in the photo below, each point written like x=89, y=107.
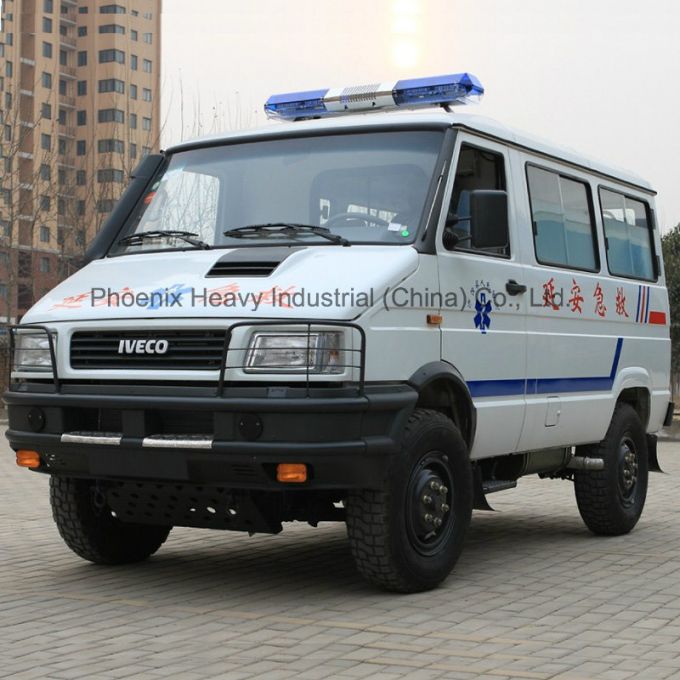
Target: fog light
x=28, y=459
x=291, y=473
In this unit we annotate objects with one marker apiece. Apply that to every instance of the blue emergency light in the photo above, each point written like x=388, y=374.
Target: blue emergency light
x=449, y=90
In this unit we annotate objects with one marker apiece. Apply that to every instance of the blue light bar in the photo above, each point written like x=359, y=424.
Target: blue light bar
x=448, y=90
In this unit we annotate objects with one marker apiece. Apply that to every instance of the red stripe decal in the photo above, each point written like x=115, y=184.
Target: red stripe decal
x=657, y=318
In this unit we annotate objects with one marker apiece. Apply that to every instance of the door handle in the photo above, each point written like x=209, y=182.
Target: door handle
x=514, y=288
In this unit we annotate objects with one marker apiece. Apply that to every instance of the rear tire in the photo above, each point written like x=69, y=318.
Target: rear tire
x=611, y=500
x=407, y=537
x=87, y=526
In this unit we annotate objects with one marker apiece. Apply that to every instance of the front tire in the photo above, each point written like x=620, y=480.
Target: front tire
x=611, y=500
x=87, y=526
x=407, y=537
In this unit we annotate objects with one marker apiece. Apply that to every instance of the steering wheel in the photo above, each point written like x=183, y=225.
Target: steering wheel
x=369, y=219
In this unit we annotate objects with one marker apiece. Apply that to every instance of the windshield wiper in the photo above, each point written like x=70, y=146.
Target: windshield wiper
x=187, y=236
x=288, y=229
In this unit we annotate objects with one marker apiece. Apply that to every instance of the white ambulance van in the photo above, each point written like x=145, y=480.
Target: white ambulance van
x=357, y=314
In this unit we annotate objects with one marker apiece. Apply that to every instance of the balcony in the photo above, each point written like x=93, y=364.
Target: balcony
x=66, y=100
x=67, y=42
x=66, y=161
x=67, y=71
x=66, y=131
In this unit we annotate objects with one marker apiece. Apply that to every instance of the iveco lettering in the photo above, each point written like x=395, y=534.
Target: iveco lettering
x=378, y=310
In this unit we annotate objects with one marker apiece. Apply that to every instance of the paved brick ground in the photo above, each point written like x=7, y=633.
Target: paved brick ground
x=534, y=596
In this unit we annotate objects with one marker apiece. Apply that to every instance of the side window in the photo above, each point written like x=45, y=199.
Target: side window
x=562, y=217
x=628, y=237
x=477, y=169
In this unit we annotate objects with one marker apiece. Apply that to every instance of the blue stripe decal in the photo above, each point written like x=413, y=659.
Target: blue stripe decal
x=514, y=387
x=637, y=314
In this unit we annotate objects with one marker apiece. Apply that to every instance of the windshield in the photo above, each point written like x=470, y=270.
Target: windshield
x=365, y=188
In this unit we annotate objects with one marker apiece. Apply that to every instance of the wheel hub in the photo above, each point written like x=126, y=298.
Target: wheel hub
x=430, y=500
x=628, y=468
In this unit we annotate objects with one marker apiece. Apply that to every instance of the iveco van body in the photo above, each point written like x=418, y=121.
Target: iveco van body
x=377, y=318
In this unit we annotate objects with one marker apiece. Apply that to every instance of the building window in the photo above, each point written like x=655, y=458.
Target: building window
x=146, y=124
x=44, y=234
x=82, y=88
x=133, y=91
x=8, y=133
x=63, y=117
x=82, y=58
x=81, y=147
x=80, y=209
x=146, y=150
x=133, y=121
x=111, y=116
x=133, y=35
x=45, y=172
x=82, y=31
x=107, y=56
x=83, y=10
x=133, y=151
x=63, y=58
x=44, y=265
x=81, y=178
x=146, y=94
x=112, y=9
x=61, y=207
x=133, y=62
x=61, y=177
x=45, y=142
x=148, y=38
x=105, y=205
x=81, y=118
x=112, y=85
x=46, y=111
x=63, y=87
x=61, y=146
x=110, y=146
x=47, y=25
x=46, y=80
x=45, y=203
x=146, y=66
x=112, y=28
x=134, y=12
x=110, y=175
x=48, y=6
x=47, y=50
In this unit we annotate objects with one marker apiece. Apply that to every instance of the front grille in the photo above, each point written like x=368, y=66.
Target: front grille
x=194, y=350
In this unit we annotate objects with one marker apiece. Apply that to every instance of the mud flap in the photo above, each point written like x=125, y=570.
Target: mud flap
x=479, y=501
x=652, y=454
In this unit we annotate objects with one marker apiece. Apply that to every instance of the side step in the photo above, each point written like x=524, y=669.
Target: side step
x=492, y=485
x=482, y=488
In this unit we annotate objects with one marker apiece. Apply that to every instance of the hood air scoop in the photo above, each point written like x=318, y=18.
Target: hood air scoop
x=250, y=262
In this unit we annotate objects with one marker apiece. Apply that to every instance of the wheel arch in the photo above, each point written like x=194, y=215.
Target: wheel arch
x=441, y=387
x=640, y=399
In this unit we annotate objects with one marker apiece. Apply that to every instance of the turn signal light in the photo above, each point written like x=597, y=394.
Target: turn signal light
x=434, y=319
x=291, y=473
x=28, y=459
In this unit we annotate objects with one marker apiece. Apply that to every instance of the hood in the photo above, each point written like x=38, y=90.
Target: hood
x=314, y=282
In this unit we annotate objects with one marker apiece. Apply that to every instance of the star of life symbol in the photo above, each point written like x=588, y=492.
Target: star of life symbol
x=483, y=309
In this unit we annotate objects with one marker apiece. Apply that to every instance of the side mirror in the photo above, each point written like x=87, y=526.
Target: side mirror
x=489, y=219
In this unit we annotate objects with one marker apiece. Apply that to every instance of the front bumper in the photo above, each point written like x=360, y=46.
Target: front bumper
x=188, y=435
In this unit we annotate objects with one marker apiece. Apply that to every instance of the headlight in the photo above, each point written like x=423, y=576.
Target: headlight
x=32, y=352
x=294, y=353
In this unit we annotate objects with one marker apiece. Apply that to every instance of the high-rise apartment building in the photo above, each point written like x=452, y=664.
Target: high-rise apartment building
x=79, y=107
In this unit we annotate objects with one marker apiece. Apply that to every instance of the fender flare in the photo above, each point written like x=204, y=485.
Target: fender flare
x=442, y=371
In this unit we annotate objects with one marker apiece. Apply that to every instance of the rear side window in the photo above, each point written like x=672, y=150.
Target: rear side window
x=562, y=216
x=628, y=237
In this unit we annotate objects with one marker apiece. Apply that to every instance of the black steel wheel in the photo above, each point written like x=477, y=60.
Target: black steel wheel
x=408, y=536
x=611, y=500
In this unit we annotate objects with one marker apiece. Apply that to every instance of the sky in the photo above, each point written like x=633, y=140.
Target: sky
x=599, y=76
